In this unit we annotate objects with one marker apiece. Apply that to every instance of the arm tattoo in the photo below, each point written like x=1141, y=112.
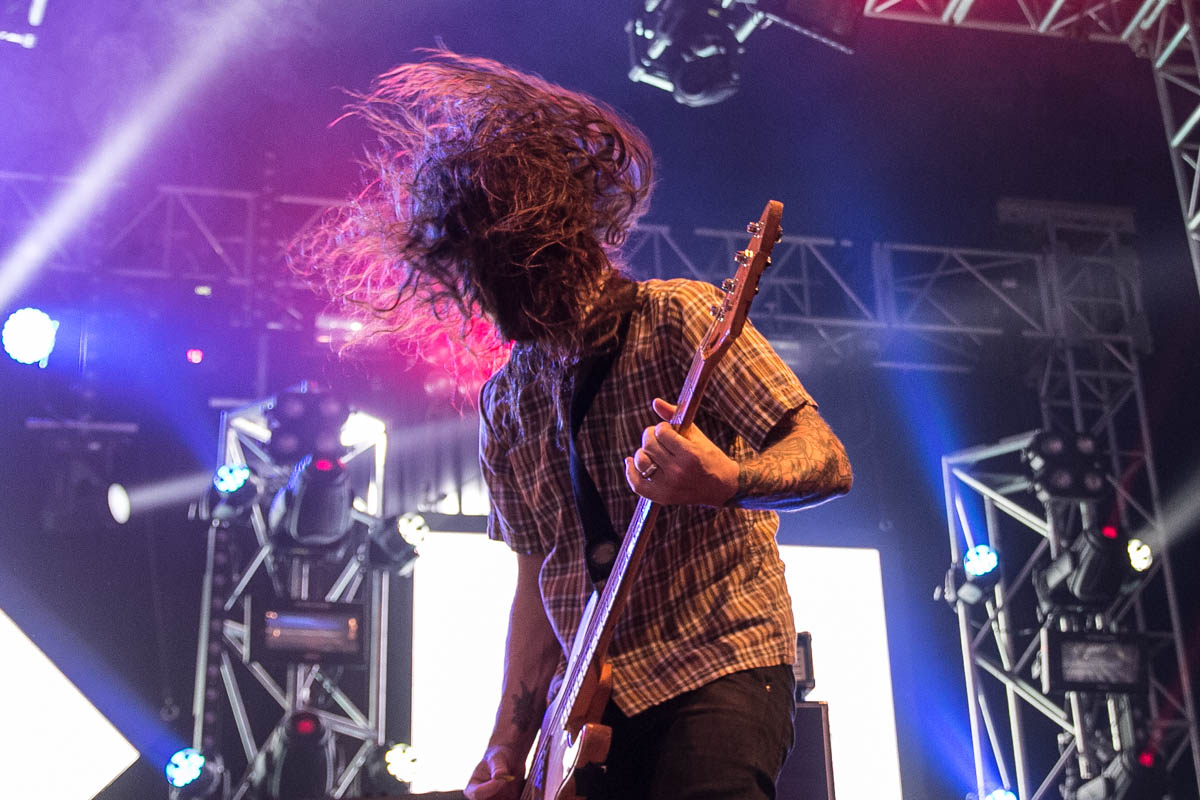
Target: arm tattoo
x=525, y=708
x=802, y=464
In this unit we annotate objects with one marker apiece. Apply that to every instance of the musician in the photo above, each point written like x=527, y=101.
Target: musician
x=502, y=197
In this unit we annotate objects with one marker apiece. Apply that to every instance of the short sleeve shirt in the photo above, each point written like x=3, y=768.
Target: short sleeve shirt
x=710, y=596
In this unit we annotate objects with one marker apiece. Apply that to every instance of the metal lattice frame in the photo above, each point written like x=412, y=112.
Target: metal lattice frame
x=1075, y=303
x=1090, y=381
x=1162, y=31
x=222, y=671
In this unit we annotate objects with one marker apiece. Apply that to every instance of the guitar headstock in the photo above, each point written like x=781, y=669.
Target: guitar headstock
x=739, y=290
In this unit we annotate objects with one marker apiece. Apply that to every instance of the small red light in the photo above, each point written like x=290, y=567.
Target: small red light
x=1109, y=532
x=306, y=726
x=195, y=355
x=1146, y=758
x=323, y=464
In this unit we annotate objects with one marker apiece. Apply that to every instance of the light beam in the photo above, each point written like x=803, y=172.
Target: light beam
x=109, y=161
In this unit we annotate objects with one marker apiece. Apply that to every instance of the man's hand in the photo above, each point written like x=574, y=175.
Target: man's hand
x=496, y=777
x=676, y=469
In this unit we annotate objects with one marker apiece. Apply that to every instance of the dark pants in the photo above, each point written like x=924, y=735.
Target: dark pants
x=724, y=741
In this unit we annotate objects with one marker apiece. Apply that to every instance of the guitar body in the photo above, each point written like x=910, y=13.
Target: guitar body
x=572, y=744
x=581, y=746
x=580, y=740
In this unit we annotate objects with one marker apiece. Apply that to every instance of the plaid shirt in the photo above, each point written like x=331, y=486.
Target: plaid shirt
x=710, y=597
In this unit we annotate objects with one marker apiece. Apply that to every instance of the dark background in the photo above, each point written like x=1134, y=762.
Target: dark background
x=914, y=138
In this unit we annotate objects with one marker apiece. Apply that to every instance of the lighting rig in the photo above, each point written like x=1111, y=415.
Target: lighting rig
x=28, y=16
x=298, y=570
x=693, y=48
x=1053, y=614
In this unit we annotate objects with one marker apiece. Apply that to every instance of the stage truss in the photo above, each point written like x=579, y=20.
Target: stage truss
x=1161, y=31
x=1071, y=305
x=1089, y=381
x=243, y=559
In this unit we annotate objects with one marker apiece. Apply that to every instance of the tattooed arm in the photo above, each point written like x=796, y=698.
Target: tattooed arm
x=801, y=464
x=530, y=656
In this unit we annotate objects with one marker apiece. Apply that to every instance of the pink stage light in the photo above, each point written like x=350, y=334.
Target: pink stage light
x=195, y=355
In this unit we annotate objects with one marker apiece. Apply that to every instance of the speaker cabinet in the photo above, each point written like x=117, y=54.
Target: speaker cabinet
x=808, y=772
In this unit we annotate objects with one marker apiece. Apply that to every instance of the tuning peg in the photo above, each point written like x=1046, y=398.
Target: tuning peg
x=779, y=235
x=743, y=257
x=717, y=312
x=728, y=285
x=754, y=228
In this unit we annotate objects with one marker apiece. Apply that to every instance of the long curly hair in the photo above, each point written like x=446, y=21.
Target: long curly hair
x=495, y=197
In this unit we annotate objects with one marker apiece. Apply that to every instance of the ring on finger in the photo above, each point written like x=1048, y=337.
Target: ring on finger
x=649, y=471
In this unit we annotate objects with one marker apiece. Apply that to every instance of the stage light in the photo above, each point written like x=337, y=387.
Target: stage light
x=401, y=762
x=304, y=631
x=119, y=506
x=692, y=48
x=299, y=759
x=980, y=560
x=1064, y=467
x=973, y=577
x=231, y=477
x=1000, y=794
x=689, y=49
x=194, y=355
x=1127, y=777
x=306, y=422
x=395, y=540
x=360, y=428
x=234, y=489
x=185, y=766
x=1141, y=557
x=192, y=775
x=125, y=502
x=1088, y=572
x=314, y=508
x=28, y=336
x=26, y=40
x=390, y=769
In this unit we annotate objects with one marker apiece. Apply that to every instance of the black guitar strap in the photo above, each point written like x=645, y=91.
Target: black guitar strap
x=601, y=540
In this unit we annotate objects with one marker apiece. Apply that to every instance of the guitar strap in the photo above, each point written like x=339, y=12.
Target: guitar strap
x=601, y=540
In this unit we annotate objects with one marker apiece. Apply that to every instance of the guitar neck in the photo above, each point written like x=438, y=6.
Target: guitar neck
x=616, y=589
x=615, y=595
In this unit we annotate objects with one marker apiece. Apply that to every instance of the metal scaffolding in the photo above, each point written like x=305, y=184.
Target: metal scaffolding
x=1072, y=304
x=1090, y=382
x=1161, y=31
x=244, y=562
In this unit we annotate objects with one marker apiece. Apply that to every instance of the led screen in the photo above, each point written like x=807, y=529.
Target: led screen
x=55, y=742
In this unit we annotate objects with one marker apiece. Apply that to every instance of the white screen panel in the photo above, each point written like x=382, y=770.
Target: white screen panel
x=462, y=585
x=837, y=596
x=53, y=739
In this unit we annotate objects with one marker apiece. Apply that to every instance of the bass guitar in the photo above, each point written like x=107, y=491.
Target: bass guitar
x=572, y=740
